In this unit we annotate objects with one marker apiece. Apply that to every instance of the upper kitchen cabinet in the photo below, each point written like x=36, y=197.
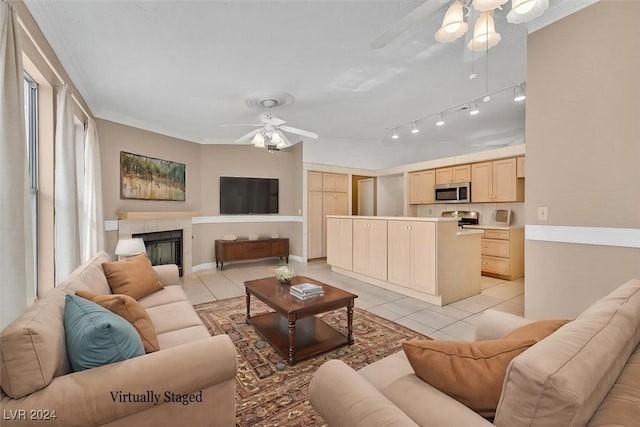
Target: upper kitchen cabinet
x=453, y=174
x=496, y=181
x=314, y=181
x=421, y=187
x=335, y=182
x=520, y=167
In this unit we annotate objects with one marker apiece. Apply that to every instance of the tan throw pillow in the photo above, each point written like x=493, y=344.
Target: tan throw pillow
x=131, y=310
x=536, y=330
x=472, y=372
x=133, y=276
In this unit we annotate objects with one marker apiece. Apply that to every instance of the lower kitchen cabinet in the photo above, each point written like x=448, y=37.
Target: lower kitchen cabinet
x=412, y=258
x=340, y=242
x=370, y=247
x=503, y=253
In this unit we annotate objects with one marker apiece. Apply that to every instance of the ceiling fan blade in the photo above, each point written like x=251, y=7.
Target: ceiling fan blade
x=287, y=143
x=299, y=132
x=248, y=136
x=416, y=15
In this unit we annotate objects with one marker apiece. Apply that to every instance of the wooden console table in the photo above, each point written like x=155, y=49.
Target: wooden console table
x=244, y=249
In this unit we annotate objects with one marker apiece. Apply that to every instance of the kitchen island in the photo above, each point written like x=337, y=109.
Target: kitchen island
x=429, y=259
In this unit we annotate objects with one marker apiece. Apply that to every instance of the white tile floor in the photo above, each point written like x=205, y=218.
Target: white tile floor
x=455, y=321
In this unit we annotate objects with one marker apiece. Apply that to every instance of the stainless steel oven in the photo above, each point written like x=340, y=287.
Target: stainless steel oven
x=453, y=193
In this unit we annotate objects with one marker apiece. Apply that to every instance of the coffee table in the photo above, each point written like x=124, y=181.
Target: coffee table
x=292, y=329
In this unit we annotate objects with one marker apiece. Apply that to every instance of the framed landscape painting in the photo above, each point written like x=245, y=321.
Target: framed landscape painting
x=147, y=178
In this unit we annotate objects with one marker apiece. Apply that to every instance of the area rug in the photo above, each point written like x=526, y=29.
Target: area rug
x=271, y=393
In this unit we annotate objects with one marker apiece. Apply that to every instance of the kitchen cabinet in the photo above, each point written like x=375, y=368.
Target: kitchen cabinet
x=520, y=167
x=314, y=181
x=412, y=258
x=370, y=247
x=340, y=242
x=453, y=174
x=502, y=253
x=421, y=187
x=337, y=182
x=496, y=181
x=425, y=258
x=315, y=244
x=320, y=203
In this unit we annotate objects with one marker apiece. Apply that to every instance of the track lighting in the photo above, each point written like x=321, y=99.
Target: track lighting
x=519, y=93
x=471, y=107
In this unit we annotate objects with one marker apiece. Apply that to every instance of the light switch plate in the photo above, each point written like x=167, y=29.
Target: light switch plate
x=543, y=213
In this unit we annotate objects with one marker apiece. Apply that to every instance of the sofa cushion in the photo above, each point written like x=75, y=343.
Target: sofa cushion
x=470, y=372
x=89, y=276
x=562, y=380
x=133, y=276
x=621, y=407
x=129, y=309
x=536, y=330
x=95, y=336
x=33, y=348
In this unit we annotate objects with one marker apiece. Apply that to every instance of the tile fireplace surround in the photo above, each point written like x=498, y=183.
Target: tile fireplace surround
x=130, y=223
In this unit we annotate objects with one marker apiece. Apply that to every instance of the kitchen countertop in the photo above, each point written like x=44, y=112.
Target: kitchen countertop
x=492, y=227
x=396, y=218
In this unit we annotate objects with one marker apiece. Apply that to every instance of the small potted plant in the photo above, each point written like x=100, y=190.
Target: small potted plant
x=284, y=274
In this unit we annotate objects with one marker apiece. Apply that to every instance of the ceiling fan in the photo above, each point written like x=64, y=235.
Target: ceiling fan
x=454, y=25
x=271, y=128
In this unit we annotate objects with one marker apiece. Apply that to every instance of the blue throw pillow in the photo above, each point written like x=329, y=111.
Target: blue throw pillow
x=95, y=336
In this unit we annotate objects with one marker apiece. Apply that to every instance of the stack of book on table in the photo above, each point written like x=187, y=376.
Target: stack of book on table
x=306, y=290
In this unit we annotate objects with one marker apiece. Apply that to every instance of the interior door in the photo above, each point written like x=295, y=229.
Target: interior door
x=365, y=197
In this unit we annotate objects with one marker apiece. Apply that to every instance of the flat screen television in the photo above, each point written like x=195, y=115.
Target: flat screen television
x=248, y=195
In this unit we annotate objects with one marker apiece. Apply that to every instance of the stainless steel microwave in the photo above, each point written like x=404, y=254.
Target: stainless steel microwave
x=453, y=193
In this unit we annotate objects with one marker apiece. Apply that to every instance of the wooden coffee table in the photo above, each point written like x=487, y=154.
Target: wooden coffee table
x=292, y=329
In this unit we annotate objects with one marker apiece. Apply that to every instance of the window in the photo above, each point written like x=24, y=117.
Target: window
x=31, y=128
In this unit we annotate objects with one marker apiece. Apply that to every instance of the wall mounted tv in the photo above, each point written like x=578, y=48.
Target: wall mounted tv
x=248, y=195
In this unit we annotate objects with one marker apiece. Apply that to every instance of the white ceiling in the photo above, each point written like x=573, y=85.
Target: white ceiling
x=183, y=68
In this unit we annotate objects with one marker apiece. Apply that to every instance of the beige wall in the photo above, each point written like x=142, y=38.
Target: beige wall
x=204, y=166
x=583, y=152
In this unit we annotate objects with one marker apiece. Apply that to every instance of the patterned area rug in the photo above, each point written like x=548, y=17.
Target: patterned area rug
x=269, y=392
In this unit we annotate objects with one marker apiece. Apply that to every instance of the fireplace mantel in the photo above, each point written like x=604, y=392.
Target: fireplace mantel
x=156, y=215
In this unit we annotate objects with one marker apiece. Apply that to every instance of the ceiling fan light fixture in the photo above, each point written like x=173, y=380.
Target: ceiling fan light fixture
x=486, y=5
x=484, y=33
x=526, y=10
x=394, y=134
x=453, y=25
x=415, y=128
x=519, y=92
x=276, y=138
x=258, y=140
x=440, y=120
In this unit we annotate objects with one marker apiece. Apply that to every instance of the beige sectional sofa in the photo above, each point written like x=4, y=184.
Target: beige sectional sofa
x=37, y=380
x=587, y=373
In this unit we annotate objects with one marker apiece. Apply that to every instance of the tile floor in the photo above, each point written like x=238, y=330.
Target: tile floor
x=455, y=321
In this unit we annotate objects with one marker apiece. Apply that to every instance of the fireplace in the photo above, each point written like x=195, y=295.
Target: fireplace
x=163, y=247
